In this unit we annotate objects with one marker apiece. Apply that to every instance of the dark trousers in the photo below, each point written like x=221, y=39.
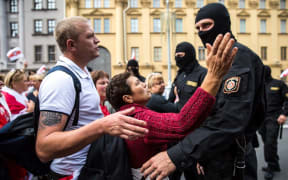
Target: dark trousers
x=269, y=133
x=251, y=163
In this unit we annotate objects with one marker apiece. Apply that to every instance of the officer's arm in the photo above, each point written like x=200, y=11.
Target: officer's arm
x=172, y=96
x=285, y=99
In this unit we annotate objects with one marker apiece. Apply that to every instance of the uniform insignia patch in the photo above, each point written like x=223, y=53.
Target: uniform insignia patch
x=192, y=83
x=274, y=88
x=231, y=85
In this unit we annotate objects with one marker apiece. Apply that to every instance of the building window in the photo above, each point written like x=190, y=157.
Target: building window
x=199, y=3
x=51, y=53
x=283, y=26
x=38, y=53
x=97, y=3
x=263, y=26
x=51, y=4
x=222, y=1
x=97, y=25
x=38, y=26
x=157, y=53
x=133, y=3
x=156, y=25
x=262, y=4
x=87, y=3
x=134, y=25
x=14, y=29
x=156, y=3
x=282, y=4
x=178, y=3
x=106, y=25
x=264, y=53
x=283, y=53
x=13, y=6
x=51, y=25
x=38, y=4
x=106, y=3
x=241, y=4
x=135, y=53
x=201, y=53
x=242, y=25
x=179, y=25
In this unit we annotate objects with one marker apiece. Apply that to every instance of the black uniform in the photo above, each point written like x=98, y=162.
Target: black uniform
x=240, y=103
x=190, y=75
x=277, y=104
x=159, y=104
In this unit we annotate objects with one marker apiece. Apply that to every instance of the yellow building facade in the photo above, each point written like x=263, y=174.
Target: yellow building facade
x=139, y=27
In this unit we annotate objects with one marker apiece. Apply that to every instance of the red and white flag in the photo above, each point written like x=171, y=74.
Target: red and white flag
x=41, y=70
x=14, y=54
x=133, y=55
x=284, y=73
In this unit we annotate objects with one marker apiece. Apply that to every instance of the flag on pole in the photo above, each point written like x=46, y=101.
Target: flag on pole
x=14, y=54
x=41, y=70
x=284, y=73
x=133, y=55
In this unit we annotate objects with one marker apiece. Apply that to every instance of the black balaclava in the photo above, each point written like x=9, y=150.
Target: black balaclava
x=222, y=23
x=267, y=73
x=133, y=64
x=189, y=59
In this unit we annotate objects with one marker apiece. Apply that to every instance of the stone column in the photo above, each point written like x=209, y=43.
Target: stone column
x=21, y=22
x=3, y=35
x=119, y=32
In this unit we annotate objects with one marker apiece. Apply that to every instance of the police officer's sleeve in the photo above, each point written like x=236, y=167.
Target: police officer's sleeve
x=284, y=93
x=234, y=109
x=172, y=95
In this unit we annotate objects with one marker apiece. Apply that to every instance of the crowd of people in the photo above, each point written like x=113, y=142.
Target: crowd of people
x=204, y=130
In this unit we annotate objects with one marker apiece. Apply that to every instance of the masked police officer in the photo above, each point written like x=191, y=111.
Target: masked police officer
x=189, y=76
x=220, y=143
x=277, y=111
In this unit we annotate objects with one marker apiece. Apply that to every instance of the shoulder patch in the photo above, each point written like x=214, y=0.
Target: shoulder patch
x=191, y=83
x=231, y=85
x=274, y=88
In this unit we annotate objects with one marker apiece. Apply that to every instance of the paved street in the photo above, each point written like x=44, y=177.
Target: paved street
x=283, y=154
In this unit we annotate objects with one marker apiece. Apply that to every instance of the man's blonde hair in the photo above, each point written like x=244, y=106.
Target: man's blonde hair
x=151, y=78
x=68, y=29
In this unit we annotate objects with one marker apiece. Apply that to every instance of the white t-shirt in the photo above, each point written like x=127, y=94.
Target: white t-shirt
x=57, y=93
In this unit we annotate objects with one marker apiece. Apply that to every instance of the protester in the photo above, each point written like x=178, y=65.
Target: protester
x=125, y=91
x=219, y=144
x=101, y=81
x=133, y=68
x=189, y=76
x=8, y=168
x=276, y=114
x=156, y=85
x=35, y=81
x=68, y=146
x=15, y=85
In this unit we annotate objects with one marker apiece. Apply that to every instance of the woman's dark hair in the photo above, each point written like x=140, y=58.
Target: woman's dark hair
x=96, y=75
x=117, y=88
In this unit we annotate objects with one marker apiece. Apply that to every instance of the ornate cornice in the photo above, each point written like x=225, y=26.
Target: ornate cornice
x=190, y=3
x=233, y=4
x=253, y=4
x=97, y=12
x=133, y=12
x=243, y=13
x=283, y=14
x=170, y=3
x=264, y=14
x=145, y=3
x=179, y=12
x=274, y=4
x=72, y=2
x=155, y=13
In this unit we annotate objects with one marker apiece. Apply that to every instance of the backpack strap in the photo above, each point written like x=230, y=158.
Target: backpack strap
x=77, y=86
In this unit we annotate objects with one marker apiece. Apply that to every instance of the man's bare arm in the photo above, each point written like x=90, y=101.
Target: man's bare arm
x=52, y=142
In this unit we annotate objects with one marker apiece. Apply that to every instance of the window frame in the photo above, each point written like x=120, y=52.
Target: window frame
x=38, y=54
x=201, y=53
x=105, y=25
x=177, y=25
x=14, y=30
x=263, y=52
x=241, y=26
x=53, y=2
x=51, y=53
x=156, y=25
x=36, y=3
x=96, y=28
x=283, y=53
x=157, y=54
x=134, y=23
x=13, y=6
x=262, y=26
